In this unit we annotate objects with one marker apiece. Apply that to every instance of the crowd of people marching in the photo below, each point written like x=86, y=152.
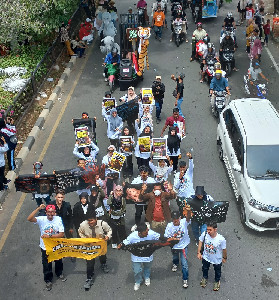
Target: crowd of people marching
x=101, y=209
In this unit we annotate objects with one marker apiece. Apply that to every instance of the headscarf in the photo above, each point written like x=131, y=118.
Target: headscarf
x=146, y=134
x=173, y=140
x=114, y=122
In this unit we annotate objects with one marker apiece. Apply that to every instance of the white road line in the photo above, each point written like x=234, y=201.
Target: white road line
x=272, y=59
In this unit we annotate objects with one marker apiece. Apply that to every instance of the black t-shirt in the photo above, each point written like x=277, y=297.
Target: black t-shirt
x=229, y=22
x=179, y=88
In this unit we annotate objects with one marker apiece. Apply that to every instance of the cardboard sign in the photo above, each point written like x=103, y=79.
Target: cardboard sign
x=82, y=136
x=144, y=144
x=147, y=96
x=132, y=33
x=108, y=103
x=116, y=162
x=159, y=148
x=126, y=144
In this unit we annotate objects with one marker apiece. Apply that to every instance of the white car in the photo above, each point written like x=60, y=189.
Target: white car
x=248, y=143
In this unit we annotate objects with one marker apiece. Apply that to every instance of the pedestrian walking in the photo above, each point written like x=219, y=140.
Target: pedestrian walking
x=266, y=32
x=80, y=210
x=93, y=228
x=174, y=121
x=50, y=226
x=115, y=125
x=96, y=201
x=3, y=148
x=141, y=265
x=214, y=252
x=179, y=92
x=158, y=90
x=162, y=170
x=173, y=146
x=178, y=229
x=158, y=22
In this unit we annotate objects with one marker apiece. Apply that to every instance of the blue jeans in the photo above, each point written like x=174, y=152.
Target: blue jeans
x=198, y=229
x=138, y=267
x=205, y=268
x=158, y=108
x=184, y=261
x=179, y=101
x=158, y=31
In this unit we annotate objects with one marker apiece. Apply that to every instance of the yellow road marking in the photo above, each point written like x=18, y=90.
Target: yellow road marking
x=42, y=155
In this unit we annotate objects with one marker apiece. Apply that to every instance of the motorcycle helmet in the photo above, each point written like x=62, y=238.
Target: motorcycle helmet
x=210, y=45
x=229, y=14
x=199, y=25
x=217, y=66
x=227, y=33
x=218, y=73
x=206, y=39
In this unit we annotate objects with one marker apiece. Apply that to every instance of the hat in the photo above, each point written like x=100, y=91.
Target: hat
x=111, y=146
x=83, y=195
x=158, y=77
x=93, y=188
x=50, y=206
x=175, y=215
x=199, y=190
x=130, y=8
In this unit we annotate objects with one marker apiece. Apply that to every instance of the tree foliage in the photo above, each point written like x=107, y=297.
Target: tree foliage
x=32, y=19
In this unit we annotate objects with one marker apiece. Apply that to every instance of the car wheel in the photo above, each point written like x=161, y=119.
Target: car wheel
x=220, y=150
x=242, y=213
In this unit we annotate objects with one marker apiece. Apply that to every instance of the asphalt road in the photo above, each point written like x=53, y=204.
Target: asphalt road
x=250, y=254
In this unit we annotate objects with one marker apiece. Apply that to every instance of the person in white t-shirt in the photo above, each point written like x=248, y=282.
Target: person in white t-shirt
x=178, y=228
x=214, y=253
x=50, y=226
x=141, y=264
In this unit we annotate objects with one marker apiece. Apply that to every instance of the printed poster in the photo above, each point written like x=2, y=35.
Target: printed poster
x=126, y=144
x=108, y=103
x=147, y=96
x=82, y=136
x=85, y=248
x=159, y=146
x=181, y=130
x=116, y=162
x=144, y=144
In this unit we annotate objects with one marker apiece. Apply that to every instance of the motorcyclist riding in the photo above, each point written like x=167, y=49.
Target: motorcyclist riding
x=209, y=54
x=219, y=84
x=112, y=59
x=198, y=34
x=218, y=66
x=180, y=19
x=229, y=25
x=227, y=44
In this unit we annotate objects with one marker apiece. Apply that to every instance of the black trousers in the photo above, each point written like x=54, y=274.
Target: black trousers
x=143, y=162
x=47, y=267
x=139, y=211
x=90, y=264
x=174, y=160
x=3, y=179
x=118, y=231
x=11, y=159
x=127, y=168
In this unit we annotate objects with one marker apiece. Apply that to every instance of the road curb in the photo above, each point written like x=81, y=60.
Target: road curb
x=27, y=146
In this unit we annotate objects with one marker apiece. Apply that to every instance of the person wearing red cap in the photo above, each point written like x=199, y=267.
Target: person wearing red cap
x=50, y=226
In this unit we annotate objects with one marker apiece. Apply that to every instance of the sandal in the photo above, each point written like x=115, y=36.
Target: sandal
x=216, y=286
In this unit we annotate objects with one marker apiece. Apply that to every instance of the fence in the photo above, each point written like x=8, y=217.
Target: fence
x=25, y=97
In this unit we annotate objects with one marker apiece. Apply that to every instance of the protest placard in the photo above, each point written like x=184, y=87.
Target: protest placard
x=116, y=162
x=159, y=148
x=144, y=144
x=126, y=144
x=82, y=136
x=147, y=96
x=108, y=103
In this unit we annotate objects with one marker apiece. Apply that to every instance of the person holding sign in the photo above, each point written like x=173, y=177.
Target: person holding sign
x=115, y=125
x=50, y=226
x=87, y=153
x=173, y=146
x=162, y=171
x=93, y=228
x=143, y=147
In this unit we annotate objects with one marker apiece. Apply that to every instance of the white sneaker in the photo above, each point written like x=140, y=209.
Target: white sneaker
x=174, y=268
x=185, y=284
x=104, y=74
x=136, y=286
x=106, y=80
x=147, y=281
x=114, y=246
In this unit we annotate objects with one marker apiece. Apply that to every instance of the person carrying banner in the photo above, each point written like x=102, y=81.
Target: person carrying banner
x=88, y=153
x=50, y=226
x=93, y=228
x=158, y=212
x=214, y=252
x=117, y=204
x=143, y=157
x=143, y=178
x=178, y=228
x=200, y=198
x=183, y=181
x=141, y=264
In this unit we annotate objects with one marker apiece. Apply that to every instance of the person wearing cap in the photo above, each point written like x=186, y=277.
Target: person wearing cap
x=64, y=210
x=96, y=200
x=158, y=90
x=219, y=84
x=80, y=210
x=200, y=197
x=131, y=95
x=178, y=228
x=162, y=170
x=183, y=181
x=93, y=228
x=174, y=121
x=117, y=204
x=50, y=226
x=179, y=92
x=142, y=178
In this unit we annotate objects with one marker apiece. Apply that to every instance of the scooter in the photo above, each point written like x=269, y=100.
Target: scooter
x=196, y=13
x=178, y=33
x=209, y=69
x=227, y=59
x=219, y=103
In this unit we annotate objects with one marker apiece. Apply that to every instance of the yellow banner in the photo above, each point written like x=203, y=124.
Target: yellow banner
x=80, y=248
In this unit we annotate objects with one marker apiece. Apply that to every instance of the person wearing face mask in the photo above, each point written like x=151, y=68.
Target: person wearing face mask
x=117, y=204
x=80, y=210
x=158, y=212
x=87, y=153
x=173, y=146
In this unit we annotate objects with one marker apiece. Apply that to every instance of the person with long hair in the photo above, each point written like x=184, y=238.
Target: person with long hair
x=143, y=157
x=173, y=146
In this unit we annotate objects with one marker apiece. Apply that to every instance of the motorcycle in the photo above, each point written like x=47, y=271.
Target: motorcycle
x=227, y=59
x=209, y=71
x=257, y=89
x=219, y=103
x=196, y=13
x=179, y=35
x=197, y=44
x=232, y=33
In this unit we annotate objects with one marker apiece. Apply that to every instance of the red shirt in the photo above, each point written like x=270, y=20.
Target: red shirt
x=266, y=29
x=158, y=215
x=171, y=121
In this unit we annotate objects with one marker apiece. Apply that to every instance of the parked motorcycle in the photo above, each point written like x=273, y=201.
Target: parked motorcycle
x=227, y=59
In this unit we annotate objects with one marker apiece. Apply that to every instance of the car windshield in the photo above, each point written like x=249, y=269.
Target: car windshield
x=263, y=161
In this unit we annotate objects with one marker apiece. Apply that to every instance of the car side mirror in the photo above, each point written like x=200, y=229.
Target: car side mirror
x=237, y=167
